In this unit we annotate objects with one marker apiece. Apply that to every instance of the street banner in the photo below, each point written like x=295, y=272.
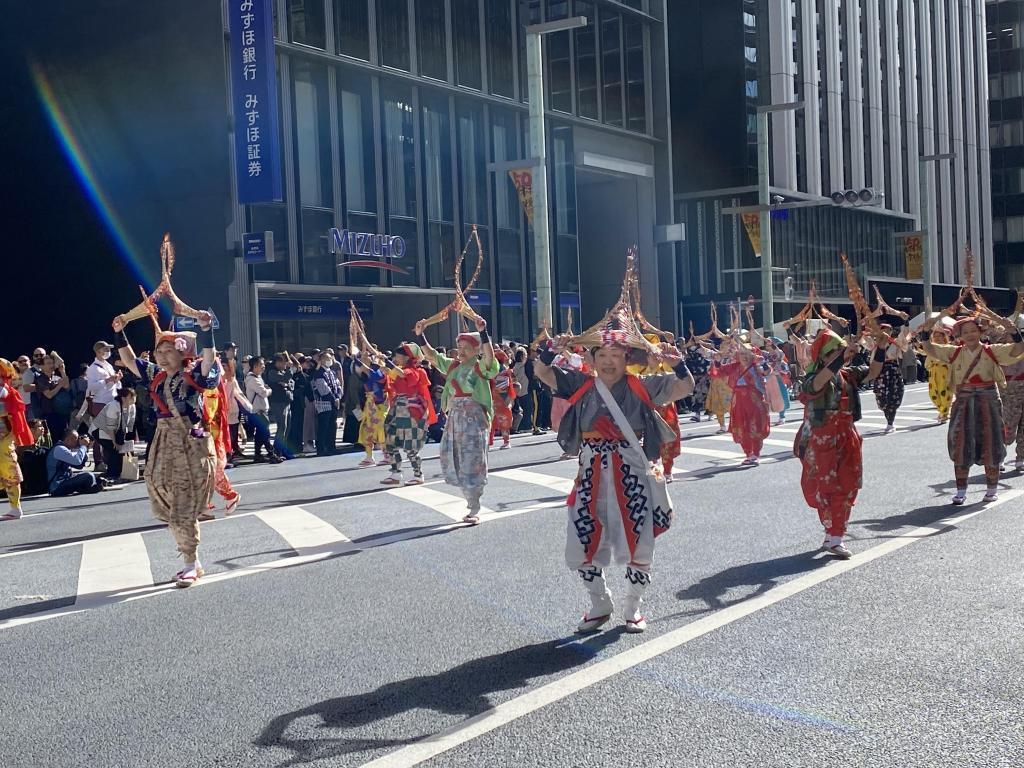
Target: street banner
x=752, y=223
x=914, y=254
x=254, y=99
x=523, y=181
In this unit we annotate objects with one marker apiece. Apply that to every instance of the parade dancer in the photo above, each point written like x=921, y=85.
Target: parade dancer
x=467, y=401
x=502, y=395
x=411, y=413
x=618, y=505
x=889, y=385
x=14, y=434
x=976, y=421
x=938, y=378
x=215, y=412
x=719, y=400
x=777, y=380
x=749, y=422
x=182, y=460
x=375, y=411
x=1013, y=410
x=699, y=367
x=828, y=444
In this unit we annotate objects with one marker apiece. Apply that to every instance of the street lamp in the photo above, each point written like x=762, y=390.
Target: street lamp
x=763, y=199
x=538, y=151
x=926, y=263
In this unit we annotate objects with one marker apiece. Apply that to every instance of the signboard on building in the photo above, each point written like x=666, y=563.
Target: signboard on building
x=333, y=310
x=254, y=99
x=913, y=252
x=258, y=247
x=379, y=249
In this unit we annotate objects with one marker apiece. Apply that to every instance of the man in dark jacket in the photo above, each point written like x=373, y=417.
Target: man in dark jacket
x=280, y=379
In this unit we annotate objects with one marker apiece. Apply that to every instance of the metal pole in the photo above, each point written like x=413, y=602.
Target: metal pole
x=538, y=151
x=926, y=259
x=763, y=198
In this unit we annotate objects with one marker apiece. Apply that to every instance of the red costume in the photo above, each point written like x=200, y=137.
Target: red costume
x=748, y=415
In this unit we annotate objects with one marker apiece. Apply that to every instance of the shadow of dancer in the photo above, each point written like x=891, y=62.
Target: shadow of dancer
x=762, y=575
x=463, y=690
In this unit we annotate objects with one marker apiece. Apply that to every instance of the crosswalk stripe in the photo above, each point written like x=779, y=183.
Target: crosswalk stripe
x=111, y=565
x=767, y=441
x=560, y=484
x=452, y=507
x=711, y=453
x=304, y=531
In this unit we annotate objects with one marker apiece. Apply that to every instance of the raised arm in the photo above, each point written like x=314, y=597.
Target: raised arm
x=486, y=347
x=428, y=351
x=124, y=349
x=205, y=337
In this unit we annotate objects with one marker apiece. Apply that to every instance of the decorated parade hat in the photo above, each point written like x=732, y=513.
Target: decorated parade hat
x=183, y=341
x=618, y=327
x=409, y=349
x=472, y=338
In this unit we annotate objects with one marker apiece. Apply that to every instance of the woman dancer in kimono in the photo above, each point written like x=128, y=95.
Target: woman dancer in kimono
x=467, y=400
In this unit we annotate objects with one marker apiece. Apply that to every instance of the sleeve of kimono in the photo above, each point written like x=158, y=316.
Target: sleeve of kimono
x=442, y=363
x=943, y=352
x=567, y=382
x=660, y=387
x=489, y=371
x=146, y=371
x=210, y=380
x=859, y=373
x=1002, y=353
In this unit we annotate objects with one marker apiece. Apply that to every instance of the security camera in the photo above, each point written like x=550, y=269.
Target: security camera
x=778, y=199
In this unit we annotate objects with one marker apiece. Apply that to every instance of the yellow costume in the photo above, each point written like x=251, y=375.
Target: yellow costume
x=938, y=386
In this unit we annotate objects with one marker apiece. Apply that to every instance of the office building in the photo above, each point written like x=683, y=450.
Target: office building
x=883, y=84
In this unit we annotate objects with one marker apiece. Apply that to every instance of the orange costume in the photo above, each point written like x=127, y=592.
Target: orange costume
x=215, y=412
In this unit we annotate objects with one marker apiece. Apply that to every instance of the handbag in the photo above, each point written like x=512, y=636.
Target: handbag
x=130, y=468
x=656, y=481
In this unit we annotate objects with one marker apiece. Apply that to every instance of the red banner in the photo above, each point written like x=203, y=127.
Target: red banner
x=523, y=181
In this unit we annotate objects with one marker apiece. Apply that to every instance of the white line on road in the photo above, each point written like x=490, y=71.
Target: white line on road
x=112, y=565
x=555, y=691
x=559, y=484
x=710, y=452
x=767, y=440
x=452, y=507
x=304, y=531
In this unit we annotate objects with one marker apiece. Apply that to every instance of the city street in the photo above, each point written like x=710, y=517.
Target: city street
x=341, y=623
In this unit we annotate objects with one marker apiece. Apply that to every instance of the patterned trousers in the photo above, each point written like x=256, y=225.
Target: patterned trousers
x=1013, y=416
x=403, y=432
x=613, y=518
x=180, y=478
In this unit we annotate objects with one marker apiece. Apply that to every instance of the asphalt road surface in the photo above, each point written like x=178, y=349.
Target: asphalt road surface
x=344, y=624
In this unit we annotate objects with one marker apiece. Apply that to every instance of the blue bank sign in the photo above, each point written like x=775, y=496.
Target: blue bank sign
x=380, y=250
x=254, y=98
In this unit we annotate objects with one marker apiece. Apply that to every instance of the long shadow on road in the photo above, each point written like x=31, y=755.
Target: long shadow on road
x=463, y=690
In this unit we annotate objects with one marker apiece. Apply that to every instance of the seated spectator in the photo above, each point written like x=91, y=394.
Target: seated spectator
x=65, y=457
x=116, y=426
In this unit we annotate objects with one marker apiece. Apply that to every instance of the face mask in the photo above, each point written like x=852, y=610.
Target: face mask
x=104, y=355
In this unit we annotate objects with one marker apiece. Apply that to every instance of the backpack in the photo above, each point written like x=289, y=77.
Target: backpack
x=32, y=461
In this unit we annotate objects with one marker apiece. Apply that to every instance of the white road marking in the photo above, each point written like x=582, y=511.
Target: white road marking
x=452, y=507
x=710, y=452
x=559, y=484
x=562, y=688
x=304, y=531
x=112, y=565
x=767, y=440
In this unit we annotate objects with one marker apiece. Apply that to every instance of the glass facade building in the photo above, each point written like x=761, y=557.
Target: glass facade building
x=403, y=117
x=1004, y=19
x=882, y=83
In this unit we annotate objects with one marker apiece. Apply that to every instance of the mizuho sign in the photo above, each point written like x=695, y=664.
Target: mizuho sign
x=380, y=249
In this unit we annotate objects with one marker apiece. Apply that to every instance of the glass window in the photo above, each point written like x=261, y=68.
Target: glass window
x=994, y=90
x=352, y=28
x=360, y=165
x=437, y=171
x=271, y=218
x=565, y=212
x=1015, y=229
x=999, y=230
x=559, y=65
x=400, y=175
x=636, y=92
x=307, y=22
x=473, y=178
x=1011, y=85
x=363, y=222
x=313, y=136
x=611, y=67
x=430, y=37
x=499, y=47
x=586, y=61
x=508, y=228
x=318, y=263
x=393, y=33
x=466, y=20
